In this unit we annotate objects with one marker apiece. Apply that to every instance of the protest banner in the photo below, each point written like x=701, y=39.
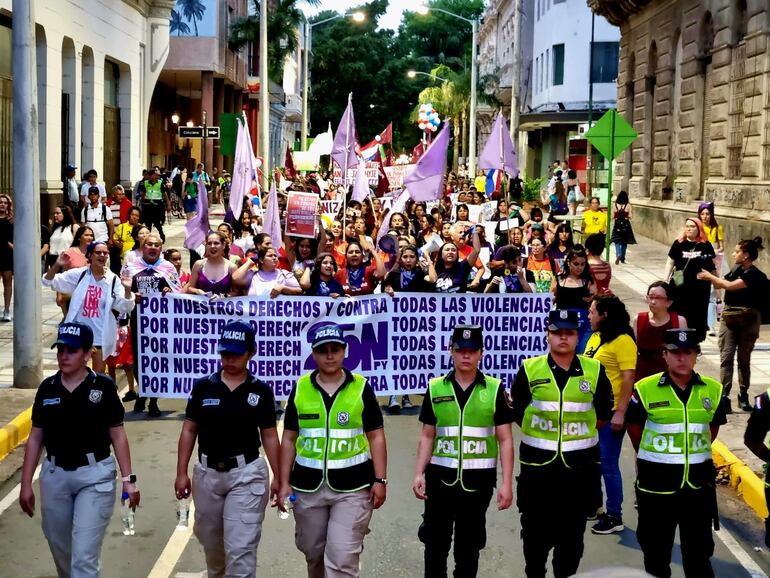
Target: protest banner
x=474, y=212
x=398, y=343
x=330, y=210
x=372, y=171
x=396, y=174
x=301, y=214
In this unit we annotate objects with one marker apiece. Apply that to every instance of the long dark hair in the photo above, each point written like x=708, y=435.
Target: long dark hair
x=576, y=252
x=616, y=321
x=569, y=243
x=315, y=274
x=79, y=234
x=440, y=266
x=67, y=219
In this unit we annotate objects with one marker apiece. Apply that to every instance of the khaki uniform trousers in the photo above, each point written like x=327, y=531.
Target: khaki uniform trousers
x=229, y=510
x=76, y=508
x=329, y=530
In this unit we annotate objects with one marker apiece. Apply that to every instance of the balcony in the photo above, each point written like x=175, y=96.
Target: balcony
x=293, y=108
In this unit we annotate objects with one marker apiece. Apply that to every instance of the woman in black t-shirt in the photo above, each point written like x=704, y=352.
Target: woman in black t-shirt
x=688, y=255
x=6, y=253
x=408, y=275
x=744, y=289
x=451, y=273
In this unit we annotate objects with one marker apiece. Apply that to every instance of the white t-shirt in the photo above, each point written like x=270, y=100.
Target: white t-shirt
x=61, y=239
x=97, y=218
x=85, y=186
x=95, y=307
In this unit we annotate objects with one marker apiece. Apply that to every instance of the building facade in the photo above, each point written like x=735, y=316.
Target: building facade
x=695, y=83
x=93, y=91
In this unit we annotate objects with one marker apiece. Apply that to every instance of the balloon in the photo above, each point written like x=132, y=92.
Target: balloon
x=422, y=126
x=378, y=138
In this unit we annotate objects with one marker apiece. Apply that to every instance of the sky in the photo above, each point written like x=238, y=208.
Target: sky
x=391, y=19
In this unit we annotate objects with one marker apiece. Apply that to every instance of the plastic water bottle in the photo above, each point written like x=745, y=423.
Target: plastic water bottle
x=127, y=515
x=288, y=505
x=183, y=514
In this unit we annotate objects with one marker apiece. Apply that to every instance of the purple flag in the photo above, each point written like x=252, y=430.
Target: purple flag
x=344, y=146
x=361, y=187
x=498, y=152
x=243, y=169
x=425, y=180
x=272, y=219
x=198, y=227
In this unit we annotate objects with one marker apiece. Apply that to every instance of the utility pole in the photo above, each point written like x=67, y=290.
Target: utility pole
x=27, y=310
x=516, y=76
x=264, y=97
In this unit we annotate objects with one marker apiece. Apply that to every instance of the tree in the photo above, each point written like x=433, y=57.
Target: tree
x=177, y=25
x=283, y=20
x=192, y=10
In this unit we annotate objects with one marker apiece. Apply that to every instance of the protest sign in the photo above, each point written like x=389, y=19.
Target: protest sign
x=372, y=171
x=488, y=210
x=330, y=210
x=301, y=214
x=474, y=211
x=396, y=174
x=398, y=343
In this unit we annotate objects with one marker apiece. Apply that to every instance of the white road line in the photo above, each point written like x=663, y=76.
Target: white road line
x=748, y=563
x=13, y=496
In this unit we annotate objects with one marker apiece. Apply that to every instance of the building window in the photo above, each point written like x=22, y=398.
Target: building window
x=547, y=67
x=558, y=64
x=605, y=62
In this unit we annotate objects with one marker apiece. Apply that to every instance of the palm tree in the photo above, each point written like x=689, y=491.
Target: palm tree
x=177, y=25
x=192, y=10
x=283, y=20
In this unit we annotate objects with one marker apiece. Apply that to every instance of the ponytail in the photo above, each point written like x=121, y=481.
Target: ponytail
x=752, y=247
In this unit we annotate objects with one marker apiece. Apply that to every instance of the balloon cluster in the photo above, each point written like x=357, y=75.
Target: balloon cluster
x=428, y=119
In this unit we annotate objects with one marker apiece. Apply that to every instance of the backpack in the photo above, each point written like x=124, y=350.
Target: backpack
x=83, y=215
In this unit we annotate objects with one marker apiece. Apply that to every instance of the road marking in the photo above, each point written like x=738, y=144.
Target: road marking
x=177, y=543
x=12, y=497
x=748, y=563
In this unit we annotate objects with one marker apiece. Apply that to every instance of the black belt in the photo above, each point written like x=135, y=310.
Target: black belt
x=227, y=464
x=70, y=463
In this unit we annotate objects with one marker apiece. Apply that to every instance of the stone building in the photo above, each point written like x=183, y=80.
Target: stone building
x=694, y=80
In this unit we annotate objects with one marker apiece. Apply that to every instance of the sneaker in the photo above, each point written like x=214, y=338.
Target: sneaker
x=6, y=316
x=393, y=406
x=406, y=403
x=595, y=515
x=608, y=525
x=743, y=402
x=617, y=261
x=130, y=396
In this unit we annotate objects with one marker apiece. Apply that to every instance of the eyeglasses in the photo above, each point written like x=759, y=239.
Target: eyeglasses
x=103, y=253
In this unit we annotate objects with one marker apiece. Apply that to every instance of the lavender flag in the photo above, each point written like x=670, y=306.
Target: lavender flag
x=344, y=146
x=272, y=218
x=243, y=169
x=425, y=180
x=498, y=152
x=361, y=187
x=198, y=227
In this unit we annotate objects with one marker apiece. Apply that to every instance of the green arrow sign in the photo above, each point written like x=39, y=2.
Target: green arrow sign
x=611, y=135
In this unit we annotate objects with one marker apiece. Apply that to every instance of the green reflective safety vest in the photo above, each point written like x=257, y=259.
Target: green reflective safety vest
x=675, y=449
x=560, y=421
x=465, y=438
x=333, y=441
x=152, y=191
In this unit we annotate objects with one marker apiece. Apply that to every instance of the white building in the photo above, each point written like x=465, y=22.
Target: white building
x=561, y=75
x=97, y=64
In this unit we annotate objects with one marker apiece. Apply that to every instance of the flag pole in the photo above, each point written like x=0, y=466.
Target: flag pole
x=345, y=171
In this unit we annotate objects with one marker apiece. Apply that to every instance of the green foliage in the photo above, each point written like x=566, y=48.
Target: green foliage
x=532, y=189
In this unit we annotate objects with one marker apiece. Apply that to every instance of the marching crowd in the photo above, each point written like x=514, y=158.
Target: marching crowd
x=606, y=375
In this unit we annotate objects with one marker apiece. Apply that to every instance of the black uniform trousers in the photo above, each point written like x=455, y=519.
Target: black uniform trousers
x=450, y=508
x=154, y=214
x=552, y=501
x=659, y=515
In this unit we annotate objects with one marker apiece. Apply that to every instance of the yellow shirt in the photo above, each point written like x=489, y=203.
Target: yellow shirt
x=480, y=183
x=594, y=222
x=715, y=234
x=617, y=356
x=123, y=233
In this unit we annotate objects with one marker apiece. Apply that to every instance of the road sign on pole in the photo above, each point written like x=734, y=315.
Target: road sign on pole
x=611, y=135
x=197, y=132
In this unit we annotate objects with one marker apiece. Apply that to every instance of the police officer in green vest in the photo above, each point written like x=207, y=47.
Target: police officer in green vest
x=334, y=459
x=559, y=400
x=756, y=437
x=154, y=199
x=466, y=419
x=672, y=419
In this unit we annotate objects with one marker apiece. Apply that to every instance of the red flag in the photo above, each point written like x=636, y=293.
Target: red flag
x=389, y=160
x=417, y=152
x=288, y=166
x=386, y=136
x=383, y=184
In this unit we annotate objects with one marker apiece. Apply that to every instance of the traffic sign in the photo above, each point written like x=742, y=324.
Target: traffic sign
x=197, y=132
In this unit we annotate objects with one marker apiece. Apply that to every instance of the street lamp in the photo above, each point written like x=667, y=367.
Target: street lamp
x=357, y=16
x=414, y=73
x=423, y=10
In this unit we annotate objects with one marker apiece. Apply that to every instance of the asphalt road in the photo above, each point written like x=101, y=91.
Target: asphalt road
x=391, y=550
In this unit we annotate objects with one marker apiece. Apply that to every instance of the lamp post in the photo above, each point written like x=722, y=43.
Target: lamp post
x=414, y=73
x=423, y=9
x=357, y=17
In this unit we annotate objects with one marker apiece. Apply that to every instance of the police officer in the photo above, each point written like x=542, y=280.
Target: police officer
x=672, y=419
x=76, y=416
x=466, y=419
x=230, y=412
x=334, y=458
x=560, y=400
x=756, y=433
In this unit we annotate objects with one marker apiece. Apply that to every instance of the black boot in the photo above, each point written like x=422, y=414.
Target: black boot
x=152, y=409
x=728, y=405
x=139, y=404
x=743, y=401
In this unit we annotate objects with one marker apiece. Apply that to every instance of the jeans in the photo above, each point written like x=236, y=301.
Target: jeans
x=584, y=329
x=740, y=340
x=610, y=442
x=620, y=251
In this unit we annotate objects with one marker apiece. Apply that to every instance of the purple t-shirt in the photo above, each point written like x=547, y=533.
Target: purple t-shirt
x=455, y=279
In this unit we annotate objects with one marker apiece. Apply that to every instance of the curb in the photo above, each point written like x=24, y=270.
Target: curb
x=748, y=485
x=15, y=433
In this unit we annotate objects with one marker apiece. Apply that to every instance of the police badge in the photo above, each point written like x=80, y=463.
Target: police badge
x=707, y=403
x=343, y=417
x=95, y=396
x=253, y=399
x=466, y=334
x=585, y=386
